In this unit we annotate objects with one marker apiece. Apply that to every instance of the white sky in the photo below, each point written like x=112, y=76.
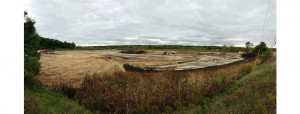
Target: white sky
x=151, y=22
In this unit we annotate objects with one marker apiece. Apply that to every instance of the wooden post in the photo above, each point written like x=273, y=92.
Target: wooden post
x=256, y=60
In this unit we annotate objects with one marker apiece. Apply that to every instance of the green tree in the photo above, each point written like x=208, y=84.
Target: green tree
x=73, y=45
x=231, y=48
x=225, y=48
x=29, y=24
x=262, y=47
x=31, y=45
x=31, y=38
x=248, y=45
x=47, y=43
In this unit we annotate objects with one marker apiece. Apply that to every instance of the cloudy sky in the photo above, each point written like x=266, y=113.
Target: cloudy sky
x=153, y=22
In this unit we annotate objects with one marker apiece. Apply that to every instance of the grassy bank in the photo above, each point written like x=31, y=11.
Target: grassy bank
x=227, y=90
x=232, y=89
x=254, y=93
x=39, y=100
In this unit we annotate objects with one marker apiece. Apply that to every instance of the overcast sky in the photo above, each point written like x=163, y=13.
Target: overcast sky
x=153, y=22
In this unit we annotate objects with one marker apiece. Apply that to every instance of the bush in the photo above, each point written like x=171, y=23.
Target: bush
x=265, y=55
x=65, y=88
x=31, y=66
x=31, y=44
x=262, y=47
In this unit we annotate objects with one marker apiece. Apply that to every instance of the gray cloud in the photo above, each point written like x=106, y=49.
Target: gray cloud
x=124, y=22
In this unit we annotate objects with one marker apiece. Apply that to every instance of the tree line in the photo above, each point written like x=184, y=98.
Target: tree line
x=34, y=42
x=31, y=45
x=47, y=43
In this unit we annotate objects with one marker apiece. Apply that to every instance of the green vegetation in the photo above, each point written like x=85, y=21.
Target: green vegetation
x=31, y=66
x=254, y=93
x=262, y=47
x=31, y=45
x=165, y=47
x=223, y=48
x=38, y=100
x=264, y=52
x=231, y=48
x=47, y=43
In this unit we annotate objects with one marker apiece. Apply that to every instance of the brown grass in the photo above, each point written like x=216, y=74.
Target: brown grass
x=71, y=67
x=99, y=83
x=155, y=92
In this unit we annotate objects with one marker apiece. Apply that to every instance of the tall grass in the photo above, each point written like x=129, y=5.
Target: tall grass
x=256, y=93
x=167, y=91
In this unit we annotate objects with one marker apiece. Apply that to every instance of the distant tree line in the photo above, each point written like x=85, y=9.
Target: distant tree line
x=167, y=47
x=232, y=48
x=47, y=43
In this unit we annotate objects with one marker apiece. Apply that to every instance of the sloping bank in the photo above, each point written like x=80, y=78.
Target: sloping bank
x=38, y=100
x=254, y=93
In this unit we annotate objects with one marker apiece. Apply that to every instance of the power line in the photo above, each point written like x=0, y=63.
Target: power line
x=268, y=21
x=262, y=33
x=265, y=21
x=274, y=42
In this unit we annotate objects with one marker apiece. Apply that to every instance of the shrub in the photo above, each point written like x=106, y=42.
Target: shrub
x=262, y=47
x=265, y=55
x=31, y=44
x=31, y=66
x=65, y=88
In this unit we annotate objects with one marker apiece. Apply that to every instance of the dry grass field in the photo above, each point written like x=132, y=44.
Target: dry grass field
x=153, y=92
x=97, y=80
x=73, y=65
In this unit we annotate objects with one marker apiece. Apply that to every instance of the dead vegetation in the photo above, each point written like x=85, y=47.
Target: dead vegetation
x=72, y=66
x=166, y=91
